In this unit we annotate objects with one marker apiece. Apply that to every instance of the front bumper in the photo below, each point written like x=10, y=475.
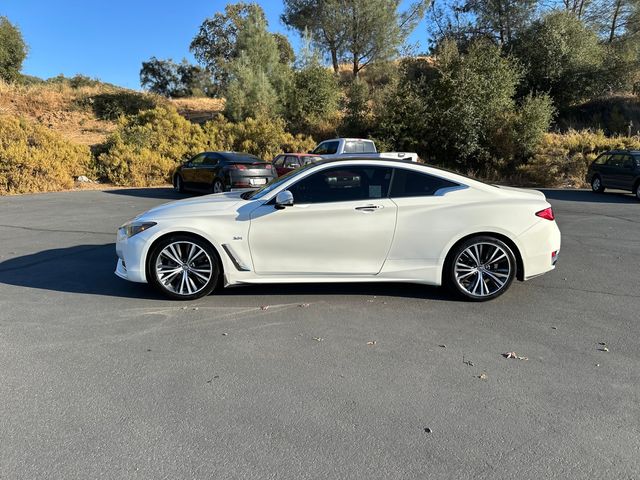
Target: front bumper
x=131, y=253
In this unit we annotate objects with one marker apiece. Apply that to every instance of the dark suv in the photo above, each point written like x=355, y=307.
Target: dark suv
x=616, y=169
x=216, y=172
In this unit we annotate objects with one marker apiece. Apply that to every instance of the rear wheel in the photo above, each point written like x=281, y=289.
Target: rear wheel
x=183, y=267
x=218, y=186
x=636, y=190
x=481, y=268
x=596, y=184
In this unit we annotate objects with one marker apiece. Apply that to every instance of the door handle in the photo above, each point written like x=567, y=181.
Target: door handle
x=369, y=208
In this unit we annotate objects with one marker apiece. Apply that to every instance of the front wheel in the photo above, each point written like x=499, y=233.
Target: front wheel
x=183, y=267
x=481, y=268
x=596, y=185
x=178, y=184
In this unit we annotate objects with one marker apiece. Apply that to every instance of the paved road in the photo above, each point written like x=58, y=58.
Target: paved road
x=100, y=378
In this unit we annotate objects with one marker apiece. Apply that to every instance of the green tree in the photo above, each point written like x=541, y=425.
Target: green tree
x=313, y=99
x=159, y=76
x=562, y=57
x=13, y=50
x=258, y=82
x=360, y=31
x=502, y=18
x=216, y=45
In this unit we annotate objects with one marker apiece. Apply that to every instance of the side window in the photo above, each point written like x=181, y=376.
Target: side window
x=628, y=162
x=331, y=147
x=197, y=160
x=291, y=162
x=636, y=159
x=278, y=161
x=343, y=184
x=210, y=161
x=408, y=183
x=616, y=160
x=602, y=159
x=321, y=149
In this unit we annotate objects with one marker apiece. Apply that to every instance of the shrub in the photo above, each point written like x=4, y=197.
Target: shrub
x=146, y=147
x=35, y=159
x=110, y=106
x=264, y=137
x=563, y=159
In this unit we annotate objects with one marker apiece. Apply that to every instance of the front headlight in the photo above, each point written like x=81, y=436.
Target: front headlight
x=130, y=229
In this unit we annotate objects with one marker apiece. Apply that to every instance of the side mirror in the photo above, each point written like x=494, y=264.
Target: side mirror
x=284, y=199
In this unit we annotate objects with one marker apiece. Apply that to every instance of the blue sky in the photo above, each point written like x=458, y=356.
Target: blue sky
x=110, y=39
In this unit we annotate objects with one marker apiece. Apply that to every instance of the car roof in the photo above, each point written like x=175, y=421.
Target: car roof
x=428, y=169
x=237, y=157
x=299, y=154
x=622, y=150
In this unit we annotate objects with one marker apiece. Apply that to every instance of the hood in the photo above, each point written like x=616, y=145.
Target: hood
x=522, y=192
x=194, y=206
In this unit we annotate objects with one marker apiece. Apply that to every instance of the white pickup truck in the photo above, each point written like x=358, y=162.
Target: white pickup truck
x=357, y=148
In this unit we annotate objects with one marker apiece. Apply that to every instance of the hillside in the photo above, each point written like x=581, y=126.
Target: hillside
x=87, y=114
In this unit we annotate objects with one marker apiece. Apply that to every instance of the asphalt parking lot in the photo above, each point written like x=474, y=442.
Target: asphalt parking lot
x=100, y=378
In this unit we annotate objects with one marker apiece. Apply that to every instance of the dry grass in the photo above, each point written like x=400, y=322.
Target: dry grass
x=57, y=106
x=199, y=109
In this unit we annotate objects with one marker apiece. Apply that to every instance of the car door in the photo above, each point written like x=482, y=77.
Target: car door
x=625, y=173
x=190, y=171
x=207, y=171
x=341, y=223
x=278, y=163
x=612, y=171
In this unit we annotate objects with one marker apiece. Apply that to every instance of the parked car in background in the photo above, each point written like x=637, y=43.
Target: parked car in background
x=216, y=172
x=285, y=162
x=616, y=169
x=357, y=148
x=355, y=220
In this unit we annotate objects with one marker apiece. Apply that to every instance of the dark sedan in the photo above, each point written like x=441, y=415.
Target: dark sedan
x=216, y=172
x=618, y=169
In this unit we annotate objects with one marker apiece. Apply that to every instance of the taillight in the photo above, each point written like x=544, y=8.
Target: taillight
x=237, y=166
x=547, y=214
x=268, y=166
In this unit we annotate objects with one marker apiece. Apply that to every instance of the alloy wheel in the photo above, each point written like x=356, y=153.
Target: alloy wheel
x=483, y=269
x=218, y=187
x=184, y=268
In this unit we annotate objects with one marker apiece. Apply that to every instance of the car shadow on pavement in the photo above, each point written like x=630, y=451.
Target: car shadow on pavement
x=164, y=193
x=589, y=196
x=88, y=269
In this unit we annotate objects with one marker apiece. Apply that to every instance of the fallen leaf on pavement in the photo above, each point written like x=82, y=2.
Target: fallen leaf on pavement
x=604, y=349
x=318, y=339
x=264, y=307
x=373, y=342
x=514, y=355
x=303, y=305
x=483, y=376
x=442, y=346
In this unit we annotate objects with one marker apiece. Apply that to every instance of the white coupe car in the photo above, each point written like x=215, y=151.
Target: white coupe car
x=346, y=221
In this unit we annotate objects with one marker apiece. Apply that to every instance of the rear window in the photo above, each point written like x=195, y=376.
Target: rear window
x=407, y=183
x=359, y=146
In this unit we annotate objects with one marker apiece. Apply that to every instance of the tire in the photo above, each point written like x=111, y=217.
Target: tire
x=178, y=184
x=217, y=186
x=636, y=190
x=596, y=184
x=482, y=279
x=170, y=271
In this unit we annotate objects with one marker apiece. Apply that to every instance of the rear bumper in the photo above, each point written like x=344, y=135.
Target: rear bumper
x=246, y=179
x=540, y=248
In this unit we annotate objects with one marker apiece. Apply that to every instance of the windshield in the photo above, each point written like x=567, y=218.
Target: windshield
x=275, y=183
